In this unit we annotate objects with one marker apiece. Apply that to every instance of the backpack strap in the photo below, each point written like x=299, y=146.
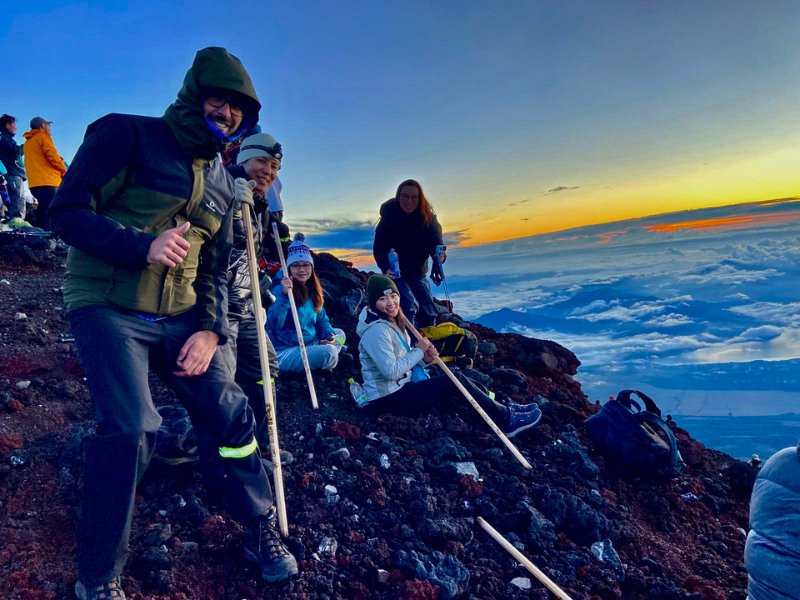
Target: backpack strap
x=405, y=343
x=624, y=398
x=649, y=404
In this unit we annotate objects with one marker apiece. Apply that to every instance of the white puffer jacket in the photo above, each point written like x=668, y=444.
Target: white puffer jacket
x=385, y=363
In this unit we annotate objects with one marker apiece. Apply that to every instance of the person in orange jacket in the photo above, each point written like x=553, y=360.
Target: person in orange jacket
x=44, y=167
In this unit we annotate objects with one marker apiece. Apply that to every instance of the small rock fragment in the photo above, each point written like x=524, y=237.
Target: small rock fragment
x=522, y=583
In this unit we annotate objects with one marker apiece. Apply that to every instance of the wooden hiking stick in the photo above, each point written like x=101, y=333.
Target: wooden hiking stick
x=266, y=379
x=472, y=400
x=300, y=341
x=523, y=560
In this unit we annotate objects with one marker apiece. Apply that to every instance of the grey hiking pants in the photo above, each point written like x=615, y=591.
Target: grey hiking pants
x=116, y=349
x=241, y=358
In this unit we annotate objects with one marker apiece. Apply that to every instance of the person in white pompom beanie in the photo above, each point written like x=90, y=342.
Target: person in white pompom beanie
x=323, y=342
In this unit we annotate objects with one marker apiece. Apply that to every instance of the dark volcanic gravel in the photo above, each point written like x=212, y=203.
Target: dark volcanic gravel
x=406, y=530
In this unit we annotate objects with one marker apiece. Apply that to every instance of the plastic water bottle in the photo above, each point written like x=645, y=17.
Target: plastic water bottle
x=394, y=263
x=359, y=395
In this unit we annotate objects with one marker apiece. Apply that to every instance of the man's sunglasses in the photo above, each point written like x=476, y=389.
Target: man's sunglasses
x=218, y=101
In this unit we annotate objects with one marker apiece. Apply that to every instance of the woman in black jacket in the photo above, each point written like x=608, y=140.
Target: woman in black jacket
x=409, y=226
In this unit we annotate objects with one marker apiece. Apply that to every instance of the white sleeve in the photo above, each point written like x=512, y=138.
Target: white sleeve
x=377, y=342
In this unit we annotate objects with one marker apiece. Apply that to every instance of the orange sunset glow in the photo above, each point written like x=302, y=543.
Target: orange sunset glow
x=740, y=222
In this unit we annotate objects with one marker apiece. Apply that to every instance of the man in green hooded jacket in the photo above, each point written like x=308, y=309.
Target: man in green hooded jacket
x=147, y=209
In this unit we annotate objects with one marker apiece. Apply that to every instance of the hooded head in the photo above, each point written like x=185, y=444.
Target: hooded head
x=216, y=71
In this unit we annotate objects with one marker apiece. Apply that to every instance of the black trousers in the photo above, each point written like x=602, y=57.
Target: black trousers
x=44, y=195
x=117, y=349
x=414, y=399
x=240, y=356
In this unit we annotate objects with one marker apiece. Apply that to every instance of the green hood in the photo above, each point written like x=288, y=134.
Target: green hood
x=213, y=67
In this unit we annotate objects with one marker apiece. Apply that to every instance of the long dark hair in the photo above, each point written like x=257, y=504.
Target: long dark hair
x=310, y=289
x=424, y=206
x=398, y=320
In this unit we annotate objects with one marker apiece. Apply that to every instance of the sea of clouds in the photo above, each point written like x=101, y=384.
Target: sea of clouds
x=704, y=316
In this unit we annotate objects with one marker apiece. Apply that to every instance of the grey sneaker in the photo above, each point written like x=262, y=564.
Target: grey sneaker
x=105, y=591
x=264, y=547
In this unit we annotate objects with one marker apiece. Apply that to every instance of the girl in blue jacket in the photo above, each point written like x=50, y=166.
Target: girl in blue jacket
x=323, y=342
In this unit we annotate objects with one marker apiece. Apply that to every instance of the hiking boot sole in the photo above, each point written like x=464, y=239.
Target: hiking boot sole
x=510, y=434
x=276, y=571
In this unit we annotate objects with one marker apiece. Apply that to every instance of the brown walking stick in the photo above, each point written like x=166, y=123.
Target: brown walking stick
x=523, y=560
x=471, y=400
x=266, y=379
x=299, y=331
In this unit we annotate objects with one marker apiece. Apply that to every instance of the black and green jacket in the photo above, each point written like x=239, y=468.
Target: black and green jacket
x=135, y=177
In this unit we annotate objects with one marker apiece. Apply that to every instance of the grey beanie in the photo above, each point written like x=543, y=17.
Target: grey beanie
x=260, y=144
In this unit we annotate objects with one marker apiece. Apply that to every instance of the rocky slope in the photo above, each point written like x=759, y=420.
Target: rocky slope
x=401, y=523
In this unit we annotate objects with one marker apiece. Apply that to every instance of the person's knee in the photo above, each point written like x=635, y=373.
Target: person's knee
x=331, y=357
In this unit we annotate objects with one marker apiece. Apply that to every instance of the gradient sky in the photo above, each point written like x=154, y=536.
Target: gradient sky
x=517, y=117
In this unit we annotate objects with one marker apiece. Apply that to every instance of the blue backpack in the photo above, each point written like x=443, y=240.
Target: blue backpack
x=628, y=437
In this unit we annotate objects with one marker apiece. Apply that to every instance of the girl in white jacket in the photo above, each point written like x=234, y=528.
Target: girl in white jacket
x=392, y=370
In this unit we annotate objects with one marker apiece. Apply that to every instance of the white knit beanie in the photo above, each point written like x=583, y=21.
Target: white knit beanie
x=259, y=144
x=298, y=251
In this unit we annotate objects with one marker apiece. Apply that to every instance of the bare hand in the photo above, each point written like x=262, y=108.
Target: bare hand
x=424, y=344
x=169, y=248
x=389, y=274
x=329, y=341
x=286, y=282
x=430, y=355
x=196, y=354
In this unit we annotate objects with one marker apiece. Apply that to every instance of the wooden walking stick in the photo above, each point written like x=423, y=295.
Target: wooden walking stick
x=472, y=400
x=300, y=341
x=523, y=560
x=266, y=379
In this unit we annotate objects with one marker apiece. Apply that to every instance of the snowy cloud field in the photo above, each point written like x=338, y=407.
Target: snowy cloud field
x=700, y=309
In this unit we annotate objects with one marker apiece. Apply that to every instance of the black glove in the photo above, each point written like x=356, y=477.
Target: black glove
x=436, y=274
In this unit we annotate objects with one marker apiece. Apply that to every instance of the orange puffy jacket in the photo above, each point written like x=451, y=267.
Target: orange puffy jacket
x=43, y=165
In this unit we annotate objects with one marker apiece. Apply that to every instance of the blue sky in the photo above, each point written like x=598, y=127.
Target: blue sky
x=624, y=108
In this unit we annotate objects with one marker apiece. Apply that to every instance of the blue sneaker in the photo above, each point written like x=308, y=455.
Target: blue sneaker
x=521, y=418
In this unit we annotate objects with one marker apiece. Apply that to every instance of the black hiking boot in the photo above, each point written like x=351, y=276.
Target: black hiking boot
x=521, y=418
x=264, y=547
x=106, y=591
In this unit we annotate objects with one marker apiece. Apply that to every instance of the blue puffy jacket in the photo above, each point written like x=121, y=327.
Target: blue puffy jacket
x=280, y=325
x=772, y=553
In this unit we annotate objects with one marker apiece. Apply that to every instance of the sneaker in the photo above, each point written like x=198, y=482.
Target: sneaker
x=286, y=459
x=520, y=420
x=264, y=547
x=527, y=408
x=106, y=591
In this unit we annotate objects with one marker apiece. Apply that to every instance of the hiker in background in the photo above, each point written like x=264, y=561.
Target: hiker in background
x=755, y=462
x=11, y=155
x=44, y=166
x=323, y=342
x=130, y=209
x=409, y=226
x=772, y=552
x=394, y=377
